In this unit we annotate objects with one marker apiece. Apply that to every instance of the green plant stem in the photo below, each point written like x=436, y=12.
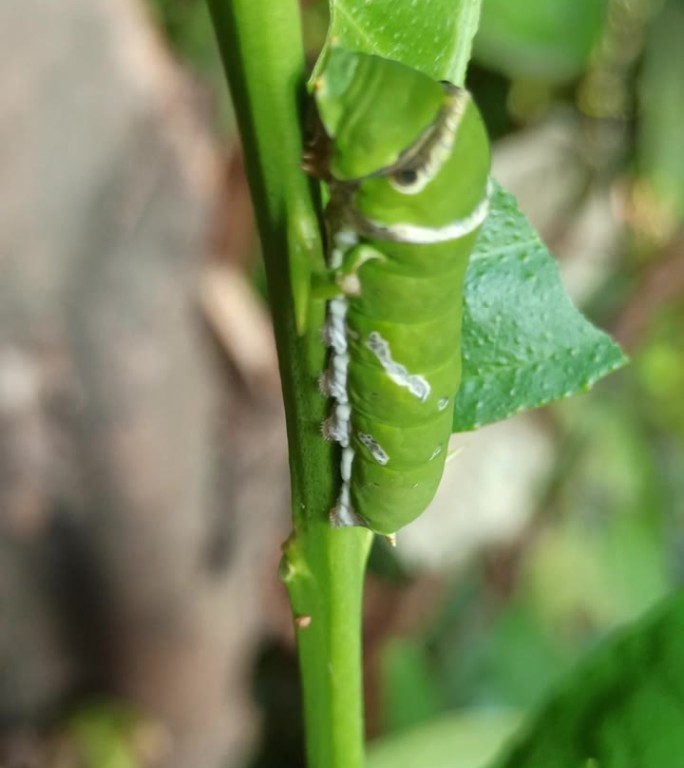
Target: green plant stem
x=323, y=568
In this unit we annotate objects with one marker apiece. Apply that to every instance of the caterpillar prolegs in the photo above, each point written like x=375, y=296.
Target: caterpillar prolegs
x=406, y=161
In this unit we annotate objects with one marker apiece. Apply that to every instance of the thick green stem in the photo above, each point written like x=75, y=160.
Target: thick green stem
x=323, y=569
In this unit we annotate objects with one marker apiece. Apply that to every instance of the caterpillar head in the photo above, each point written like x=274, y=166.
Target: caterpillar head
x=372, y=109
x=411, y=148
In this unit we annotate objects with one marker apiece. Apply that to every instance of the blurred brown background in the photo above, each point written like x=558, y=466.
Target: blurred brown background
x=143, y=471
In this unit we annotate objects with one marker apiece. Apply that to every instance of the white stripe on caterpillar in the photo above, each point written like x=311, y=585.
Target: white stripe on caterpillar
x=416, y=385
x=414, y=234
x=374, y=448
x=338, y=426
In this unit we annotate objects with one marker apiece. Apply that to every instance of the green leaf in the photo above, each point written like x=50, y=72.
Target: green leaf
x=467, y=740
x=624, y=707
x=539, y=39
x=434, y=36
x=524, y=342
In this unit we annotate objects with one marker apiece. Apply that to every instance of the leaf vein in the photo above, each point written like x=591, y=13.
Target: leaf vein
x=371, y=42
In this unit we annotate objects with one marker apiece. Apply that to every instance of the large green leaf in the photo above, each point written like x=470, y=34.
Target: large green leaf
x=623, y=708
x=434, y=36
x=524, y=342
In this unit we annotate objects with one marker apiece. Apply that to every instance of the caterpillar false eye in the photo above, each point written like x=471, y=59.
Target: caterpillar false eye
x=405, y=179
x=395, y=355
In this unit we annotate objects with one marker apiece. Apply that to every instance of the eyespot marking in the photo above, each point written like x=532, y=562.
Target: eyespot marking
x=416, y=385
x=406, y=177
x=407, y=180
x=424, y=160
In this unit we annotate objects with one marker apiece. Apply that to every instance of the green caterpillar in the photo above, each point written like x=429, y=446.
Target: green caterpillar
x=406, y=160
